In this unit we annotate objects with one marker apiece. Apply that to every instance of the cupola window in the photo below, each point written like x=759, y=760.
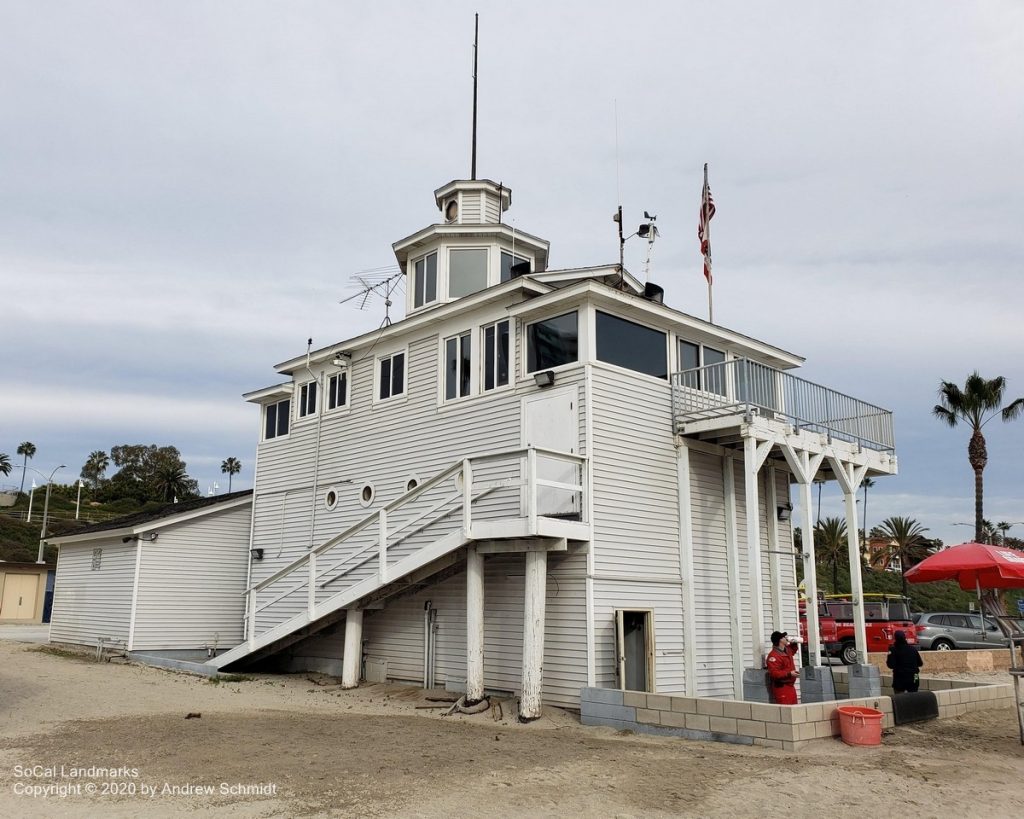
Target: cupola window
x=425, y=280
x=467, y=271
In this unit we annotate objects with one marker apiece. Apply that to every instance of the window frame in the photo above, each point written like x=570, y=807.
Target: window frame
x=377, y=382
x=415, y=283
x=462, y=374
x=598, y=312
x=510, y=362
x=278, y=415
x=580, y=333
x=341, y=374
x=302, y=408
x=458, y=248
x=701, y=362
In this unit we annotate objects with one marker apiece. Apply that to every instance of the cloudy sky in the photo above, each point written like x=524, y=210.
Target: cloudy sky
x=188, y=188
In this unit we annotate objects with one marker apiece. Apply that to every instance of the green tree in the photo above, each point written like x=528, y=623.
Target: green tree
x=5, y=464
x=95, y=466
x=230, y=467
x=27, y=450
x=907, y=543
x=830, y=546
x=975, y=405
x=170, y=481
x=145, y=472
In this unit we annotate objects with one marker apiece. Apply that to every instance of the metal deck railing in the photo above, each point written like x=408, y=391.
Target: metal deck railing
x=740, y=385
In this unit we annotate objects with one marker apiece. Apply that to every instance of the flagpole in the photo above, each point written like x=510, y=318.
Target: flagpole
x=707, y=236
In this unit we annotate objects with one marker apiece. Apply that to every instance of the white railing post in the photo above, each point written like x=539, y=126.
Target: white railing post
x=467, y=498
x=382, y=527
x=531, y=488
x=311, y=591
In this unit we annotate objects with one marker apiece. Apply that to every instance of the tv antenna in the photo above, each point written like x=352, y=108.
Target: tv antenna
x=378, y=282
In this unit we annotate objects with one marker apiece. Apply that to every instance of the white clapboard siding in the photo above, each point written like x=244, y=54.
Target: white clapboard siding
x=396, y=633
x=89, y=604
x=191, y=584
x=385, y=444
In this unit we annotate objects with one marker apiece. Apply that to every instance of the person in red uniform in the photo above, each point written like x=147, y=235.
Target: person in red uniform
x=782, y=673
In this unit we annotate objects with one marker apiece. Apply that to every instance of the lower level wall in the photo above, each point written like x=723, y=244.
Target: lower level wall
x=982, y=659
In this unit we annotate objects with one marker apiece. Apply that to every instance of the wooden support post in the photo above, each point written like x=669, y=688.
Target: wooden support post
x=860, y=633
x=382, y=535
x=474, y=626
x=533, y=635
x=467, y=498
x=252, y=618
x=810, y=573
x=352, y=654
x=531, y=489
x=311, y=591
x=750, y=469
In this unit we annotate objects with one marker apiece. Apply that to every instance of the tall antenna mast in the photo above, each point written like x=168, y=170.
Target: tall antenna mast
x=476, y=44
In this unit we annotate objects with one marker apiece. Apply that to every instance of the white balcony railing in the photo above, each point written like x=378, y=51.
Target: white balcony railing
x=738, y=386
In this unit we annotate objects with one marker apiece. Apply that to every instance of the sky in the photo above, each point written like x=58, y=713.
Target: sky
x=189, y=188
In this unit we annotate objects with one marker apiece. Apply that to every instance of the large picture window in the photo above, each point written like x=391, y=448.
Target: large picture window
x=630, y=345
x=552, y=342
x=467, y=271
x=392, y=376
x=275, y=419
x=458, y=366
x=425, y=280
x=497, y=355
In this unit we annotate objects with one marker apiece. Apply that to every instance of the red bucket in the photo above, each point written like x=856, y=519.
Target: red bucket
x=860, y=725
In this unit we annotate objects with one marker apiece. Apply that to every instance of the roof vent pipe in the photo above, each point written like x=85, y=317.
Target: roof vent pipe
x=653, y=292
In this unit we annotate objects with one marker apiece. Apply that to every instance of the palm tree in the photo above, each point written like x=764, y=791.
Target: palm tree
x=170, y=481
x=231, y=466
x=95, y=466
x=906, y=543
x=5, y=464
x=976, y=404
x=830, y=545
x=27, y=450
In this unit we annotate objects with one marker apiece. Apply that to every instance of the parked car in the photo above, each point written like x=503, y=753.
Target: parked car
x=949, y=630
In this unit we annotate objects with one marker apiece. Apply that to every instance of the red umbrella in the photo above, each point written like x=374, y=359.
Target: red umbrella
x=973, y=566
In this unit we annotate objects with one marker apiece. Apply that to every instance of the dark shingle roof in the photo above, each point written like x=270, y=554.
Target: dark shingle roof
x=141, y=518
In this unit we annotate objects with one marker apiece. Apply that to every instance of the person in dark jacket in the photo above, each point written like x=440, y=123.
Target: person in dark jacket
x=904, y=660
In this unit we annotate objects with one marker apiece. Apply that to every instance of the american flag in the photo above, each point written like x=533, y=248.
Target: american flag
x=707, y=210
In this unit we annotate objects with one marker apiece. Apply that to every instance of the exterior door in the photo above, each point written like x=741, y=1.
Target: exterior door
x=19, y=600
x=551, y=421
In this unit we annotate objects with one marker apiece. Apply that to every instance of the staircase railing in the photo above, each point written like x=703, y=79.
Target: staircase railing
x=386, y=536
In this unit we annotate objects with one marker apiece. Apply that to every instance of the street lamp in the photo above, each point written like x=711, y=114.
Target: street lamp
x=31, y=497
x=46, y=511
x=78, y=500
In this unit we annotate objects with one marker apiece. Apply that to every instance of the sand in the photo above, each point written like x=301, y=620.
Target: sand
x=299, y=745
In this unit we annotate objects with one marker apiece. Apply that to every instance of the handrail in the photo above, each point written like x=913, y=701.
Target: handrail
x=743, y=384
x=407, y=497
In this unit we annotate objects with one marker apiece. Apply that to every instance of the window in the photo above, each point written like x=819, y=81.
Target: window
x=307, y=399
x=276, y=419
x=507, y=260
x=337, y=391
x=425, y=280
x=392, y=376
x=552, y=342
x=693, y=356
x=367, y=492
x=496, y=355
x=457, y=366
x=632, y=346
x=467, y=271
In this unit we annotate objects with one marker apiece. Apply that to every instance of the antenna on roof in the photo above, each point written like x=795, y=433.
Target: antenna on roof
x=380, y=281
x=476, y=45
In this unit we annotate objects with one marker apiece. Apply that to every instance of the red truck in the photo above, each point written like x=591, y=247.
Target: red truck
x=884, y=615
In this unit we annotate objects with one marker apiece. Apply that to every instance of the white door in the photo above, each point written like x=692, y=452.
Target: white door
x=551, y=421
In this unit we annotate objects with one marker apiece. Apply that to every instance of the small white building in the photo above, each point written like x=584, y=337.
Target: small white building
x=170, y=582
x=539, y=480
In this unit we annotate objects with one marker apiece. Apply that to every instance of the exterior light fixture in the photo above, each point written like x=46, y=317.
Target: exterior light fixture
x=257, y=553
x=341, y=359
x=546, y=378
x=785, y=512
